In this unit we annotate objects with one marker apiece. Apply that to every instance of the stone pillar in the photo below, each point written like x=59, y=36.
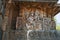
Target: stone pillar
x=5, y=23
x=53, y=24
x=21, y=33
x=1, y=32
x=8, y=34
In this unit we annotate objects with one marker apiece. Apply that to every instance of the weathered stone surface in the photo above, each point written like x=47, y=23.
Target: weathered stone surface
x=0, y=4
x=20, y=25
x=8, y=35
x=34, y=21
x=37, y=21
x=21, y=35
x=43, y=35
x=53, y=25
x=0, y=20
x=4, y=23
x=5, y=36
x=46, y=23
x=39, y=0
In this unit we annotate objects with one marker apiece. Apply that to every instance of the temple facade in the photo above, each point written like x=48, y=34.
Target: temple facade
x=22, y=16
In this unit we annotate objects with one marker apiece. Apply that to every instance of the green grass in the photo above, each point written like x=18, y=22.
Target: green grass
x=58, y=27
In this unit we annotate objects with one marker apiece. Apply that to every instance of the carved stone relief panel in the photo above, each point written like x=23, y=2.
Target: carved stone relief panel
x=34, y=20
x=46, y=23
x=53, y=25
x=19, y=24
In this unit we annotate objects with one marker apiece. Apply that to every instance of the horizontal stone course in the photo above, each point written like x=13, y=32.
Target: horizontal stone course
x=39, y=0
x=43, y=35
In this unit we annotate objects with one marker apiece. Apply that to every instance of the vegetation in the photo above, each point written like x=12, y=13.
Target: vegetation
x=58, y=27
x=57, y=24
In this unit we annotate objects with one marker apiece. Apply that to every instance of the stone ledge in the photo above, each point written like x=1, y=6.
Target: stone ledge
x=43, y=35
x=38, y=0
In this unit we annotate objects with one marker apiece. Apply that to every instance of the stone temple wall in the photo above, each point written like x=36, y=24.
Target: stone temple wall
x=31, y=23
x=34, y=25
x=43, y=35
x=38, y=20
